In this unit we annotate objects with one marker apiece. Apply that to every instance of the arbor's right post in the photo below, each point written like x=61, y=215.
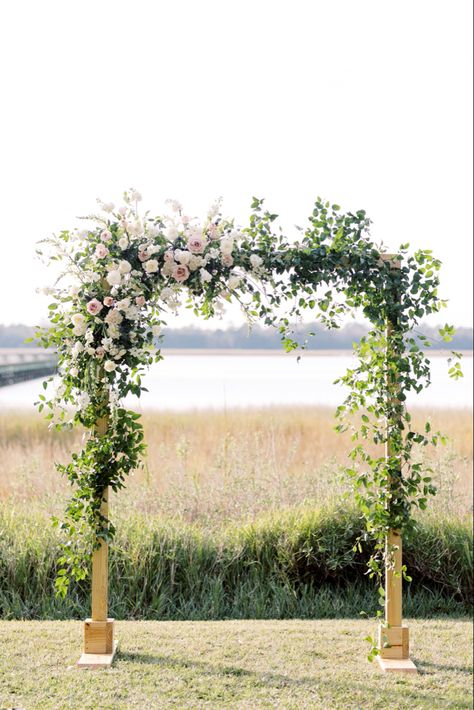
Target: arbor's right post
x=393, y=637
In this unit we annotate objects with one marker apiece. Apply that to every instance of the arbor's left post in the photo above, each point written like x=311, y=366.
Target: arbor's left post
x=99, y=641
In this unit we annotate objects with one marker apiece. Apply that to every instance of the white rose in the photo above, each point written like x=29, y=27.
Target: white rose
x=123, y=304
x=227, y=244
x=124, y=267
x=113, y=317
x=234, y=282
x=109, y=366
x=167, y=269
x=256, y=261
x=123, y=242
x=151, y=266
x=205, y=275
x=114, y=277
x=74, y=291
x=78, y=319
x=182, y=257
x=195, y=262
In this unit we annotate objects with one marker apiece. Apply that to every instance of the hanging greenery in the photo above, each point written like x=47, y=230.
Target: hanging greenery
x=119, y=278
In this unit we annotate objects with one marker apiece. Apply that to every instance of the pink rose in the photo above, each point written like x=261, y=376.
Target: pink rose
x=100, y=352
x=196, y=245
x=143, y=255
x=105, y=235
x=212, y=231
x=108, y=301
x=94, y=307
x=101, y=251
x=227, y=259
x=168, y=256
x=180, y=272
x=140, y=301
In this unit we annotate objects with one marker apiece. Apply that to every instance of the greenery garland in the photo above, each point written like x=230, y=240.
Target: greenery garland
x=118, y=280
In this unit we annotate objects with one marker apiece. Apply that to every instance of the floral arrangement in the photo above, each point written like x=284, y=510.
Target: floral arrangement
x=122, y=275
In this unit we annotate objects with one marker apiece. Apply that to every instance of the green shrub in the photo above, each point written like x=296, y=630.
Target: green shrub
x=295, y=563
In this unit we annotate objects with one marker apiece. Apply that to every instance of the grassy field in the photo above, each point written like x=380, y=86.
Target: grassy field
x=295, y=665
x=236, y=515
x=210, y=467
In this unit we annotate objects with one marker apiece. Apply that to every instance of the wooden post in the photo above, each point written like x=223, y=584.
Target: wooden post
x=99, y=642
x=393, y=637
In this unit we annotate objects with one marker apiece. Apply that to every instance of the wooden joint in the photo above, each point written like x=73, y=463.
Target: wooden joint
x=394, y=642
x=98, y=636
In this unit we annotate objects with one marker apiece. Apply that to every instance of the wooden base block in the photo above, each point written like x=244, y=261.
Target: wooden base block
x=397, y=665
x=98, y=636
x=97, y=660
x=394, y=642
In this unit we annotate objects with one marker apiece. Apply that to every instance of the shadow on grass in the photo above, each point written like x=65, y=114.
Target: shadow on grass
x=429, y=668
x=278, y=680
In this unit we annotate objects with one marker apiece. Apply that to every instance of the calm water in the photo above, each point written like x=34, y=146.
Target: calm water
x=220, y=381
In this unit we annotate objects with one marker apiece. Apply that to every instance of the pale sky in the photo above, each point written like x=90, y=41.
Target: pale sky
x=366, y=103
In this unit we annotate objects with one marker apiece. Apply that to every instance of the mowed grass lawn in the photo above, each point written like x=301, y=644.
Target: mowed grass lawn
x=233, y=664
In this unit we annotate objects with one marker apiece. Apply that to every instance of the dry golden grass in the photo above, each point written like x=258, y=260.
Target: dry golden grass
x=212, y=466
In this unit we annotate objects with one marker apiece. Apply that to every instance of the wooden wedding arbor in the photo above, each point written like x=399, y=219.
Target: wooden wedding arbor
x=100, y=644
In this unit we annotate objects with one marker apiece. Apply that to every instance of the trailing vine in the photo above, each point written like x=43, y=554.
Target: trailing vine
x=120, y=277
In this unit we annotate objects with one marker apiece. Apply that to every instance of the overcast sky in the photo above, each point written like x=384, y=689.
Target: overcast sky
x=366, y=103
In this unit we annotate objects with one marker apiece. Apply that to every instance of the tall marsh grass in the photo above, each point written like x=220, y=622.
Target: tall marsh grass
x=207, y=467
x=235, y=514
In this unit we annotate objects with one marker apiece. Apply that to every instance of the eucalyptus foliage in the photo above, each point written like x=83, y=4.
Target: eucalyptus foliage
x=119, y=278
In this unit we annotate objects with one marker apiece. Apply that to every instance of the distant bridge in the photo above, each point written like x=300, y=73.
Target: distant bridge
x=21, y=364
